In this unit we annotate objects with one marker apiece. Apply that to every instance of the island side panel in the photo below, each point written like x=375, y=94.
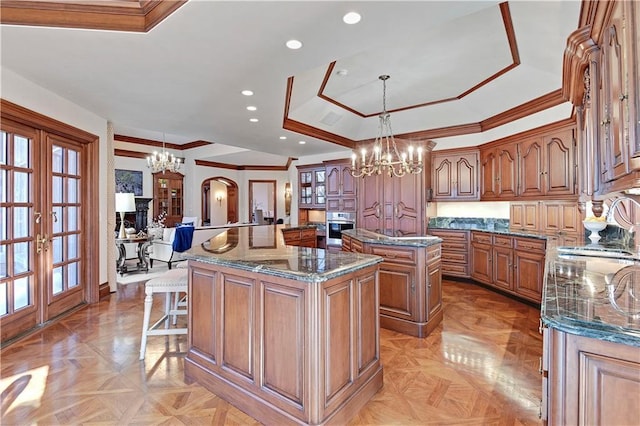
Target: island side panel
x=306, y=352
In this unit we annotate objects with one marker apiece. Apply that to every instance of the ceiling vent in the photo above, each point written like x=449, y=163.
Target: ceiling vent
x=330, y=119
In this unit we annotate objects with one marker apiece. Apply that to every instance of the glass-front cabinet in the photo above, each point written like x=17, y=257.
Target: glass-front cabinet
x=168, y=194
x=312, y=187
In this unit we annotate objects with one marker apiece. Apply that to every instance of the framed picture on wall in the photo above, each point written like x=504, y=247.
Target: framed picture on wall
x=129, y=181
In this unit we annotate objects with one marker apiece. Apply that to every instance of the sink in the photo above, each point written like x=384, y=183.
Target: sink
x=612, y=253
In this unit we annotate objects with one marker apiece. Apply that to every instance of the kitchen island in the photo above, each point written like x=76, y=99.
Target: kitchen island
x=410, y=278
x=591, y=337
x=290, y=335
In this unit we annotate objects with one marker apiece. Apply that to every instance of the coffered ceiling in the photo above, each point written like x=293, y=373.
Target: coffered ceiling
x=456, y=67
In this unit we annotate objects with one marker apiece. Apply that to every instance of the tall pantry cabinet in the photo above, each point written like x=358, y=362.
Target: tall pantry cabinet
x=396, y=205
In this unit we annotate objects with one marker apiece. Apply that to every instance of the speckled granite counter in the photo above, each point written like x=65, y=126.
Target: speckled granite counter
x=593, y=297
x=262, y=249
x=392, y=240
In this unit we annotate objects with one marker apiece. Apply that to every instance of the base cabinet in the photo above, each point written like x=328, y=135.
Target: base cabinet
x=285, y=351
x=455, y=252
x=410, y=285
x=300, y=237
x=511, y=264
x=587, y=381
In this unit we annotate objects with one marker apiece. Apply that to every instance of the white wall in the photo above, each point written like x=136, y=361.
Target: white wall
x=20, y=91
x=218, y=208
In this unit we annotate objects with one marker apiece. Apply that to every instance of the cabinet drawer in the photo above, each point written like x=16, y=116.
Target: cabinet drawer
x=433, y=252
x=395, y=254
x=529, y=244
x=502, y=241
x=356, y=246
x=448, y=246
x=451, y=236
x=481, y=238
x=454, y=269
x=308, y=233
x=454, y=257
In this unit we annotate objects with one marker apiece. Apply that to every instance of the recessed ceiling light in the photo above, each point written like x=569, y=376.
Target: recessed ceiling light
x=302, y=142
x=342, y=73
x=247, y=92
x=253, y=120
x=294, y=44
x=283, y=137
x=251, y=108
x=351, y=18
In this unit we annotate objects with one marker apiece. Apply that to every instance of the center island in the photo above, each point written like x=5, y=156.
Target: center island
x=290, y=335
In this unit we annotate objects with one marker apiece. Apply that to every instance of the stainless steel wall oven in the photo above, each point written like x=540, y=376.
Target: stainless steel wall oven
x=336, y=223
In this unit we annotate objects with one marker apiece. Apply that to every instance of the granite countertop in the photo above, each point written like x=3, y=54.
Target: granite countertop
x=393, y=240
x=262, y=249
x=593, y=296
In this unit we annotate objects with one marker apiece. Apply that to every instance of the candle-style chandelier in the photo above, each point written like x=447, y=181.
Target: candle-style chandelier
x=385, y=156
x=163, y=161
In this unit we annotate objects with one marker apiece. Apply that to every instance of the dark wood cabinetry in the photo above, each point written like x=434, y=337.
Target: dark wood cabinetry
x=512, y=264
x=540, y=163
x=455, y=175
x=396, y=205
x=168, y=196
x=311, y=182
x=455, y=251
x=410, y=285
x=602, y=82
x=588, y=381
x=300, y=237
x=340, y=186
x=499, y=172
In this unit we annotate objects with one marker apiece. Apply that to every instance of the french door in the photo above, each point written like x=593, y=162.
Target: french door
x=42, y=265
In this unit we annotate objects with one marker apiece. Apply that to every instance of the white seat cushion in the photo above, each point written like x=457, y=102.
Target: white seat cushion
x=171, y=278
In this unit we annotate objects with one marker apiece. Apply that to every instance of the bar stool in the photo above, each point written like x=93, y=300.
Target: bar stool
x=172, y=283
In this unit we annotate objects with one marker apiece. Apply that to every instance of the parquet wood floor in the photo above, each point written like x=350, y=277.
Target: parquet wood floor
x=478, y=367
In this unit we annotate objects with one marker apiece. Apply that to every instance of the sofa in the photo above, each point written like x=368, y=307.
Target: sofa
x=162, y=248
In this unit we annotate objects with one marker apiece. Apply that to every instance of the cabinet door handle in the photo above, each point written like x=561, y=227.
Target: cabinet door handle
x=605, y=122
x=623, y=97
x=540, y=365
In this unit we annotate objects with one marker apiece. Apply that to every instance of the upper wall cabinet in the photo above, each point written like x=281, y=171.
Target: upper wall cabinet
x=499, y=172
x=311, y=181
x=601, y=79
x=341, y=186
x=539, y=163
x=455, y=175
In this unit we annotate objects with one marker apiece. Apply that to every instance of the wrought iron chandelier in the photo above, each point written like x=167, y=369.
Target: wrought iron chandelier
x=385, y=156
x=163, y=161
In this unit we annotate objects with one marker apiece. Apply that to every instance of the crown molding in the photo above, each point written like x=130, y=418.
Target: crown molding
x=114, y=15
x=158, y=144
x=246, y=167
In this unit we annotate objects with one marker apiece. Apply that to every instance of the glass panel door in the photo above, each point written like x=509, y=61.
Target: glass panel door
x=18, y=263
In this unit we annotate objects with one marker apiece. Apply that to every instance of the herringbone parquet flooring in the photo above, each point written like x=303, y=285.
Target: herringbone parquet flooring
x=478, y=367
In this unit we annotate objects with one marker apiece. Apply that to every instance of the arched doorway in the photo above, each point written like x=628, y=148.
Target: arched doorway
x=219, y=201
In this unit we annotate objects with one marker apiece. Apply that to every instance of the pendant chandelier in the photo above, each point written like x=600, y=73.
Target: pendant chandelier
x=163, y=161
x=385, y=156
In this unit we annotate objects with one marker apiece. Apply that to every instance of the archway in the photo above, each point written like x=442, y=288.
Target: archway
x=219, y=201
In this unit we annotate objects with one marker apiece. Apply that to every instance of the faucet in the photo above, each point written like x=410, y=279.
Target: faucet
x=633, y=230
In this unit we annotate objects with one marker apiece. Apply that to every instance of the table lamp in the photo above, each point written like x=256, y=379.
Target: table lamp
x=124, y=203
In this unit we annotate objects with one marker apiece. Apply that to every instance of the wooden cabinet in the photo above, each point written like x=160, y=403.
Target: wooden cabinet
x=300, y=237
x=512, y=264
x=395, y=205
x=311, y=183
x=499, y=172
x=549, y=217
x=340, y=186
x=410, y=285
x=589, y=381
x=547, y=165
x=528, y=267
x=539, y=163
x=392, y=204
x=168, y=196
x=455, y=251
x=455, y=175
x=604, y=85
